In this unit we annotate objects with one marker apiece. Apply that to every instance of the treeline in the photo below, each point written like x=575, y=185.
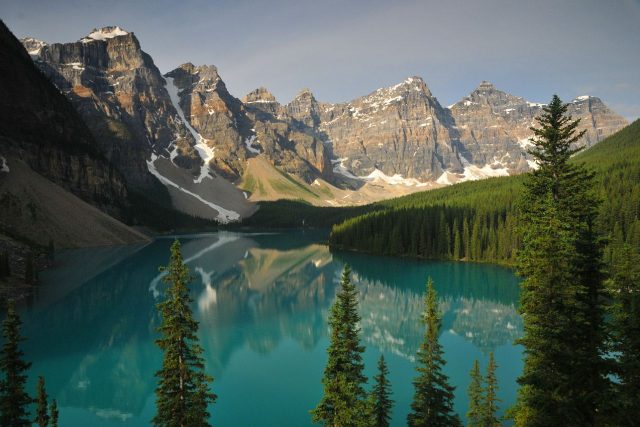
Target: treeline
x=439, y=231
x=476, y=221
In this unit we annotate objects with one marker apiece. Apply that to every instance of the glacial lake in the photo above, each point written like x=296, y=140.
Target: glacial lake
x=262, y=301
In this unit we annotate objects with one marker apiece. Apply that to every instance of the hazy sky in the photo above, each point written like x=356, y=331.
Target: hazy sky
x=345, y=49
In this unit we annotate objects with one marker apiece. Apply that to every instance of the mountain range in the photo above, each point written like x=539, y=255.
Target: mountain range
x=215, y=154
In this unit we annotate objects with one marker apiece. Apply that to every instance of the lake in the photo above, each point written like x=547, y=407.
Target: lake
x=262, y=300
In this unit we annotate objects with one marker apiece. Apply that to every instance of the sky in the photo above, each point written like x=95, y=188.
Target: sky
x=345, y=49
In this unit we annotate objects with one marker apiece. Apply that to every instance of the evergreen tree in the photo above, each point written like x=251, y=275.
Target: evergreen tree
x=42, y=414
x=562, y=295
x=433, y=397
x=490, y=404
x=183, y=393
x=625, y=313
x=344, y=402
x=53, y=408
x=476, y=397
x=381, y=402
x=14, y=400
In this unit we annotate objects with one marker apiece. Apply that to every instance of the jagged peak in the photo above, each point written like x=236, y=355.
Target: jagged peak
x=583, y=98
x=33, y=45
x=260, y=94
x=485, y=86
x=412, y=81
x=104, y=33
x=305, y=93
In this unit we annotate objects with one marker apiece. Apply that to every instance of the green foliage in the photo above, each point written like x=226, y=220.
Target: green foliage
x=380, y=397
x=624, y=289
x=14, y=400
x=433, y=397
x=490, y=404
x=476, y=397
x=182, y=394
x=344, y=401
x=42, y=413
x=562, y=301
x=53, y=408
x=482, y=213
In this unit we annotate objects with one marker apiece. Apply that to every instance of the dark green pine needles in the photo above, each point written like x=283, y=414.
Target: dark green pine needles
x=381, y=403
x=476, y=397
x=433, y=398
x=42, y=409
x=562, y=300
x=14, y=400
x=183, y=393
x=344, y=401
x=624, y=287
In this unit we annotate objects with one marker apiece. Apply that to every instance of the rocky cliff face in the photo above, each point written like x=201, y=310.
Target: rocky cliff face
x=238, y=130
x=122, y=97
x=189, y=132
x=39, y=126
x=397, y=130
x=494, y=126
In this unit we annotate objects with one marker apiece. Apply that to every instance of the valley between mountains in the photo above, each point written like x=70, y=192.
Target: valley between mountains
x=216, y=155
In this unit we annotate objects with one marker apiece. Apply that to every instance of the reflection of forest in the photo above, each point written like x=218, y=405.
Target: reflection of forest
x=94, y=342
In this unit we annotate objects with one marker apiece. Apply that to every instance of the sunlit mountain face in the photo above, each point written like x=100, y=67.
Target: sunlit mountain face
x=262, y=301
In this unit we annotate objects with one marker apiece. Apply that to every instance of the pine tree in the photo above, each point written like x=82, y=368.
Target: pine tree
x=562, y=294
x=53, y=408
x=381, y=402
x=433, y=397
x=183, y=393
x=344, y=401
x=42, y=414
x=624, y=289
x=490, y=404
x=476, y=397
x=14, y=400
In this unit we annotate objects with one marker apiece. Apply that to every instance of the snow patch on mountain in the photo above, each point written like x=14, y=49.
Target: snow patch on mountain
x=341, y=169
x=224, y=215
x=397, y=179
x=206, y=153
x=104, y=34
x=249, y=143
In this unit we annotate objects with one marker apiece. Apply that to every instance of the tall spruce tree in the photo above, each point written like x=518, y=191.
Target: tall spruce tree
x=344, y=401
x=53, y=410
x=490, y=403
x=476, y=396
x=381, y=402
x=624, y=289
x=183, y=391
x=433, y=397
x=14, y=400
x=562, y=295
x=42, y=412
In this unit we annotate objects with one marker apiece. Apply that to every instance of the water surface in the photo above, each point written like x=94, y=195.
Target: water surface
x=262, y=302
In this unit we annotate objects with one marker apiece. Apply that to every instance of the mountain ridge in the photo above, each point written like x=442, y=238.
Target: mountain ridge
x=399, y=136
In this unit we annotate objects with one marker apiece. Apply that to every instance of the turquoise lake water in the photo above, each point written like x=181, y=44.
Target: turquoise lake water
x=262, y=302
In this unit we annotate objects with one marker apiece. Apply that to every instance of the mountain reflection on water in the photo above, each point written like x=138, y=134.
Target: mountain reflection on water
x=257, y=297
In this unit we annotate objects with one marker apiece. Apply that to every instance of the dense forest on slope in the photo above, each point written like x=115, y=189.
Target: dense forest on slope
x=477, y=221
